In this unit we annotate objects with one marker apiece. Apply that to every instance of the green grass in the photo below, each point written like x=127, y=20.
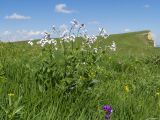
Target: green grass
x=50, y=86
x=134, y=43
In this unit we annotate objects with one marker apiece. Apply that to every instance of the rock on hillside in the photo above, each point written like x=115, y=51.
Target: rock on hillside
x=150, y=37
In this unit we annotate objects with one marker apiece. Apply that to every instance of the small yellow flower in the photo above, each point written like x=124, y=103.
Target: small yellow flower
x=157, y=94
x=11, y=94
x=126, y=88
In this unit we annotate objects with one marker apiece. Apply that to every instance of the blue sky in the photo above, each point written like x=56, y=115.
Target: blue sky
x=26, y=19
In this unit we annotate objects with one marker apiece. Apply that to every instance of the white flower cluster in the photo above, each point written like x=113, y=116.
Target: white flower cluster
x=67, y=38
x=90, y=40
x=46, y=40
x=30, y=42
x=74, y=23
x=69, y=35
x=103, y=33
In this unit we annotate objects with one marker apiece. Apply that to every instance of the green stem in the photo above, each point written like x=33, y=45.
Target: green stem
x=65, y=63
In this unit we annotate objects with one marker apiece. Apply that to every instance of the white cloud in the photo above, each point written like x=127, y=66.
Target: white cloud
x=62, y=8
x=94, y=22
x=20, y=35
x=16, y=16
x=147, y=6
x=127, y=30
x=29, y=33
x=34, y=33
x=6, y=32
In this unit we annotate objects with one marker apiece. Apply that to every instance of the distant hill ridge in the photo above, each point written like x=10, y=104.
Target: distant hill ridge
x=146, y=36
x=139, y=43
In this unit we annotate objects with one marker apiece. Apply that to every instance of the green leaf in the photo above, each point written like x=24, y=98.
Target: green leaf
x=17, y=110
x=17, y=102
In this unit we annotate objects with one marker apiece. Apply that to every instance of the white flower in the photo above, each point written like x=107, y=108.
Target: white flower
x=103, y=33
x=53, y=28
x=40, y=42
x=72, y=38
x=54, y=43
x=66, y=38
x=30, y=42
x=49, y=41
x=56, y=48
x=46, y=39
x=42, y=45
x=91, y=40
x=113, y=46
x=74, y=23
x=82, y=26
x=95, y=50
x=64, y=34
x=46, y=36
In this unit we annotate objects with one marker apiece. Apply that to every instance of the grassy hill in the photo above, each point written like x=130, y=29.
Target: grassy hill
x=44, y=84
x=134, y=43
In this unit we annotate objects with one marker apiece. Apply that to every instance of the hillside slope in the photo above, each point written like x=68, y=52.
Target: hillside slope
x=134, y=43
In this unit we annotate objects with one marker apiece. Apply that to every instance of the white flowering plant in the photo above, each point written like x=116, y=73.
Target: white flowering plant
x=76, y=68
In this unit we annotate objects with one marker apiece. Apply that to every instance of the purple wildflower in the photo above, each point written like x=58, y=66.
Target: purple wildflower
x=108, y=109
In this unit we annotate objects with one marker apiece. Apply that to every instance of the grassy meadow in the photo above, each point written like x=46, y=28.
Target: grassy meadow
x=41, y=83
